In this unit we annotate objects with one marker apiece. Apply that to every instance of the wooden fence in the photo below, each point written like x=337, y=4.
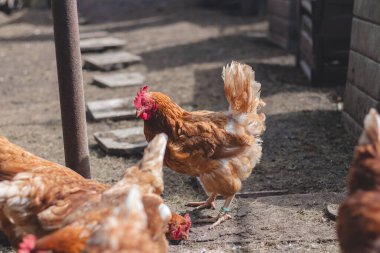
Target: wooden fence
x=363, y=78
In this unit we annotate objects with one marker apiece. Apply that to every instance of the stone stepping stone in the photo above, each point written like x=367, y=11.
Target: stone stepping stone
x=100, y=44
x=119, y=79
x=122, y=141
x=118, y=108
x=257, y=35
x=110, y=61
x=91, y=35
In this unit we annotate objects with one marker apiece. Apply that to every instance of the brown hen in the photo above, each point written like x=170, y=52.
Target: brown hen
x=221, y=148
x=125, y=230
x=358, y=219
x=36, y=194
x=55, y=203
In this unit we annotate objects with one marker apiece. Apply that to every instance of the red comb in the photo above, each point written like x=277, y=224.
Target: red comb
x=139, y=96
x=28, y=244
x=188, y=219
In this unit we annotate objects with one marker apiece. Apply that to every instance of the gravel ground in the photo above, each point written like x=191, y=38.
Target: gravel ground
x=184, y=47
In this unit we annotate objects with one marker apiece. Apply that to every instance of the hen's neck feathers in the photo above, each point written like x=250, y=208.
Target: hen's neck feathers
x=167, y=116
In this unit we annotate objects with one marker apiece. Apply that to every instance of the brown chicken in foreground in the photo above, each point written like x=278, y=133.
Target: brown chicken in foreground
x=359, y=215
x=125, y=230
x=63, y=209
x=221, y=148
x=36, y=195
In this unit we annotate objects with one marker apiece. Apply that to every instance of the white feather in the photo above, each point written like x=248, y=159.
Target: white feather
x=165, y=212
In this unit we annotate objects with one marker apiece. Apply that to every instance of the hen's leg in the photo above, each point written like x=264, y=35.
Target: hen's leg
x=209, y=203
x=223, y=214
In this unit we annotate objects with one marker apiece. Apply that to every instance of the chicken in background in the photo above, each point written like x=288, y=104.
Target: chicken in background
x=221, y=148
x=358, y=220
x=63, y=209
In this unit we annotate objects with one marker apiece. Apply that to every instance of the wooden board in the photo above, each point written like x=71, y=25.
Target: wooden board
x=357, y=103
x=305, y=68
x=119, y=79
x=307, y=6
x=119, y=108
x=365, y=74
x=279, y=8
x=351, y=126
x=122, y=141
x=283, y=23
x=306, y=24
x=279, y=26
x=368, y=9
x=100, y=44
x=278, y=40
x=365, y=39
x=306, y=48
x=91, y=35
x=110, y=61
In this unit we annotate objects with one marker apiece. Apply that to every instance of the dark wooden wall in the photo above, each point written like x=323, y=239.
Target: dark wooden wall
x=363, y=78
x=324, y=40
x=283, y=27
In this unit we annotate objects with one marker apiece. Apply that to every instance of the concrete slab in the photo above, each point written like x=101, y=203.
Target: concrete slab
x=110, y=61
x=119, y=108
x=91, y=35
x=122, y=141
x=119, y=79
x=100, y=44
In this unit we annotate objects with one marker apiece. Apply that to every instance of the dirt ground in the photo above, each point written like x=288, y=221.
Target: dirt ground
x=184, y=46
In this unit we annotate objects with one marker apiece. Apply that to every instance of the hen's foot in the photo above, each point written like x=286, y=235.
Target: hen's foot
x=222, y=216
x=209, y=203
x=202, y=205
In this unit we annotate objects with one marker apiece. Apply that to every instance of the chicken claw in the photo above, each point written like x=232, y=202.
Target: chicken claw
x=220, y=219
x=222, y=216
x=208, y=204
x=202, y=205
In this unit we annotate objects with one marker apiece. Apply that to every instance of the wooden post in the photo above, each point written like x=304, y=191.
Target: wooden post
x=69, y=67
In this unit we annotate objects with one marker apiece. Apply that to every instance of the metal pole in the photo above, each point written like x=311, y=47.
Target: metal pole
x=69, y=68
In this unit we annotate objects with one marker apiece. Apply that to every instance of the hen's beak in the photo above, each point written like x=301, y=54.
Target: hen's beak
x=138, y=113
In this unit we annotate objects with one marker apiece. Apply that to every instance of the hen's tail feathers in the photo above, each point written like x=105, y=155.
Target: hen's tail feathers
x=371, y=131
x=241, y=89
